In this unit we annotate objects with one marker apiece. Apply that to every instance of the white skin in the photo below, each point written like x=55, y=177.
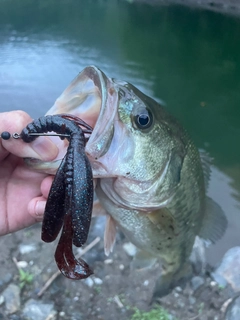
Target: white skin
x=23, y=192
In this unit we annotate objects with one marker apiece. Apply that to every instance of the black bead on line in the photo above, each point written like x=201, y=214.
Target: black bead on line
x=5, y=135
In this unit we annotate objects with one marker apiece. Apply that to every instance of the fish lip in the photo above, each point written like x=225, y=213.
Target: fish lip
x=103, y=129
x=99, y=111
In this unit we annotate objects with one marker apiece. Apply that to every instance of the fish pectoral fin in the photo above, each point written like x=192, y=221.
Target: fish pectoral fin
x=109, y=235
x=110, y=228
x=142, y=260
x=163, y=219
x=214, y=222
x=98, y=210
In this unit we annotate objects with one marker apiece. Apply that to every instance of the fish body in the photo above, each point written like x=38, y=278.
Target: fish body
x=150, y=178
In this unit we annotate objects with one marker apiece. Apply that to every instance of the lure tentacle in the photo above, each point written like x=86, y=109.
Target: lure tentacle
x=69, y=266
x=55, y=207
x=80, y=185
x=71, y=196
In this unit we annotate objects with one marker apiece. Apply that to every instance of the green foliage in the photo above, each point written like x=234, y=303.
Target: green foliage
x=221, y=286
x=25, y=278
x=98, y=289
x=157, y=313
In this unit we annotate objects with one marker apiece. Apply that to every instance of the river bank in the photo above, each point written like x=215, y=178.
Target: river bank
x=225, y=6
x=113, y=292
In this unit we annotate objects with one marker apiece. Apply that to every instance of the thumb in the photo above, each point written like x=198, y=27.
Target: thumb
x=41, y=148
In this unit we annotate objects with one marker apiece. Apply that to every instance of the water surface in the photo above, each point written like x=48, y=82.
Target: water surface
x=190, y=59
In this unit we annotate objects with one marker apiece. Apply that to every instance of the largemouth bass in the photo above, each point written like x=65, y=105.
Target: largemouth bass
x=150, y=179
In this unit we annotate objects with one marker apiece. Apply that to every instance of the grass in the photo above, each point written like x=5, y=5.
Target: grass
x=200, y=308
x=24, y=278
x=98, y=289
x=157, y=313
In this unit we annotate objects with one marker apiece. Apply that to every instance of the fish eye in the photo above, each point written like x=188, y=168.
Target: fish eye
x=144, y=119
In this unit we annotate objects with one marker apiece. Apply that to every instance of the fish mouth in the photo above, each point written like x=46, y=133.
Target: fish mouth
x=92, y=97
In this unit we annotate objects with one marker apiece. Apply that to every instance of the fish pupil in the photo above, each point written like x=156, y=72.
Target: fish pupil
x=143, y=119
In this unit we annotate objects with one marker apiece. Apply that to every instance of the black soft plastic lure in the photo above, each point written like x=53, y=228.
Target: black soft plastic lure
x=69, y=204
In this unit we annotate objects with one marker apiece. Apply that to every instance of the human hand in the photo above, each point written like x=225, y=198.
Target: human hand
x=23, y=192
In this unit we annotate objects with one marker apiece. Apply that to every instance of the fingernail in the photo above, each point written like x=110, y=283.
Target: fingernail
x=45, y=148
x=39, y=209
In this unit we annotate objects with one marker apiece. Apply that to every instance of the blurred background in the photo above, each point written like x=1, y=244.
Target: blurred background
x=188, y=59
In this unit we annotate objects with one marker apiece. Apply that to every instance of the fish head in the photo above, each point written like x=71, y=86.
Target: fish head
x=135, y=148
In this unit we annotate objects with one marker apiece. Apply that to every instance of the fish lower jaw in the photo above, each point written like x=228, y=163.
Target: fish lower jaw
x=128, y=199
x=99, y=170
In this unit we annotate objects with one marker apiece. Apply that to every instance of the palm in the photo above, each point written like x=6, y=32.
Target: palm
x=23, y=192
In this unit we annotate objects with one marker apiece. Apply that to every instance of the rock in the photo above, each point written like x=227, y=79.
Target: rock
x=108, y=261
x=121, y=267
x=62, y=314
x=26, y=248
x=12, y=298
x=76, y=316
x=37, y=310
x=89, y=282
x=7, y=278
x=14, y=317
x=97, y=281
x=233, y=310
x=213, y=284
x=2, y=300
x=180, y=303
x=228, y=271
x=222, y=282
x=192, y=300
x=22, y=264
x=197, y=282
x=130, y=249
x=178, y=289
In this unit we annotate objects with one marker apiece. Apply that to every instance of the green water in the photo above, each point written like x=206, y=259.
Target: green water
x=190, y=59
